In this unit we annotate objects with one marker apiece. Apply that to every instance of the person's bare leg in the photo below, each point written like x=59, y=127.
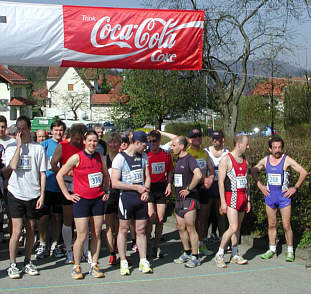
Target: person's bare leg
x=17, y=226
x=189, y=218
x=183, y=234
x=159, y=224
x=96, y=230
x=30, y=237
x=286, y=217
x=82, y=228
x=141, y=240
x=110, y=220
x=124, y=226
x=272, y=222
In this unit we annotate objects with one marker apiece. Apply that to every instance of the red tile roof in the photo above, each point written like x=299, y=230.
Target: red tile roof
x=54, y=73
x=12, y=77
x=103, y=99
x=41, y=93
x=19, y=101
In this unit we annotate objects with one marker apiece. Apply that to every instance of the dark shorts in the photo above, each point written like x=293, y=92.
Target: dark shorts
x=157, y=193
x=213, y=191
x=21, y=208
x=185, y=205
x=52, y=203
x=88, y=207
x=203, y=194
x=113, y=202
x=131, y=207
x=277, y=200
x=65, y=201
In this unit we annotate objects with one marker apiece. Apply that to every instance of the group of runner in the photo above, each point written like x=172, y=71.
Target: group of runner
x=125, y=183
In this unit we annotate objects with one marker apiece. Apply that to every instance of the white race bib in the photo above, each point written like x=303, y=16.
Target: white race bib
x=178, y=180
x=241, y=182
x=201, y=163
x=157, y=168
x=137, y=176
x=274, y=179
x=24, y=162
x=95, y=180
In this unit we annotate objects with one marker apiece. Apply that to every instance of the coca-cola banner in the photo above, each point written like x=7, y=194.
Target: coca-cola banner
x=56, y=35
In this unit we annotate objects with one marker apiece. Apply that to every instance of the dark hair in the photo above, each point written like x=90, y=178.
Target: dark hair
x=275, y=138
x=90, y=133
x=114, y=137
x=58, y=123
x=79, y=129
x=25, y=119
x=3, y=120
x=125, y=139
x=156, y=134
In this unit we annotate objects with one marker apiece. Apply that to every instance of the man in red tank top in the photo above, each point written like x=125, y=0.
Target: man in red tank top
x=234, y=198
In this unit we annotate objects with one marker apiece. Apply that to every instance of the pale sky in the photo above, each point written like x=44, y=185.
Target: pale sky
x=301, y=56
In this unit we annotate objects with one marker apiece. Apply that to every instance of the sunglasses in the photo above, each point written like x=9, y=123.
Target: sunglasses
x=196, y=136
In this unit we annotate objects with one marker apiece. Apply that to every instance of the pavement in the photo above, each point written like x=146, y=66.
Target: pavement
x=259, y=276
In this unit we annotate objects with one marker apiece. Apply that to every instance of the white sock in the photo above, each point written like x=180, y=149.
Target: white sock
x=221, y=251
x=272, y=248
x=67, y=236
x=143, y=259
x=53, y=246
x=124, y=263
x=43, y=244
x=290, y=249
x=93, y=264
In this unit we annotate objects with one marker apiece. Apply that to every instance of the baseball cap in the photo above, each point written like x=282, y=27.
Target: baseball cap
x=217, y=135
x=140, y=136
x=195, y=133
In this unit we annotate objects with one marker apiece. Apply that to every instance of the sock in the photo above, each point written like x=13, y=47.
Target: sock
x=67, y=237
x=221, y=251
x=113, y=253
x=196, y=256
x=53, y=246
x=124, y=263
x=142, y=260
x=188, y=252
x=85, y=246
x=26, y=261
x=93, y=264
x=272, y=248
x=290, y=249
x=43, y=244
x=234, y=250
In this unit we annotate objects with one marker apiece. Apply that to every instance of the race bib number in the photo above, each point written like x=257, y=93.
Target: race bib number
x=137, y=176
x=178, y=180
x=157, y=168
x=95, y=180
x=201, y=163
x=274, y=179
x=241, y=182
x=25, y=162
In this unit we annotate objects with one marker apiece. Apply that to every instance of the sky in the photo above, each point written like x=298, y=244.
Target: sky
x=300, y=57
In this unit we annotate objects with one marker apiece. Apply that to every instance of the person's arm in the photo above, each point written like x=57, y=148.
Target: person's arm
x=196, y=179
x=15, y=159
x=255, y=171
x=289, y=162
x=106, y=178
x=40, y=201
x=168, y=135
x=222, y=171
x=145, y=195
x=208, y=181
x=69, y=165
x=248, y=190
x=56, y=158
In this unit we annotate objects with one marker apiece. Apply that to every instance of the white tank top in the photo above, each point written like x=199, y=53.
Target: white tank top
x=215, y=160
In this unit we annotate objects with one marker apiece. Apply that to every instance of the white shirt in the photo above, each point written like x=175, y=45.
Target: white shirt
x=24, y=182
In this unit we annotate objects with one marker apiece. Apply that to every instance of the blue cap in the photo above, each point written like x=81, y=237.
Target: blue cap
x=140, y=136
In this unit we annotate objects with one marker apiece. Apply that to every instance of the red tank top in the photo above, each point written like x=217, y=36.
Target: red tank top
x=68, y=150
x=159, y=164
x=88, y=176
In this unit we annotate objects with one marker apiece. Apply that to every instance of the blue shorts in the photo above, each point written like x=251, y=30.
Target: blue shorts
x=277, y=200
x=88, y=207
x=131, y=207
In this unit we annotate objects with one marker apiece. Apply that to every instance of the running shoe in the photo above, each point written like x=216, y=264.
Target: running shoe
x=42, y=252
x=76, y=273
x=30, y=269
x=267, y=255
x=182, y=258
x=69, y=257
x=89, y=257
x=57, y=252
x=96, y=272
x=203, y=249
x=219, y=259
x=124, y=268
x=290, y=257
x=112, y=260
x=144, y=267
x=193, y=262
x=237, y=259
x=14, y=272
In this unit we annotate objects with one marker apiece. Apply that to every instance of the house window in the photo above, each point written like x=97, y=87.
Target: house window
x=13, y=113
x=3, y=104
x=17, y=92
x=70, y=87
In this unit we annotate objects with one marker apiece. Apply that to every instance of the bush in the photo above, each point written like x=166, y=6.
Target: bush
x=182, y=129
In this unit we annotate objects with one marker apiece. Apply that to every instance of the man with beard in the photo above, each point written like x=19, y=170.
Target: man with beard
x=278, y=193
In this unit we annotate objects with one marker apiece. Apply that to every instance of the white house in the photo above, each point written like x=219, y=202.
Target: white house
x=14, y=92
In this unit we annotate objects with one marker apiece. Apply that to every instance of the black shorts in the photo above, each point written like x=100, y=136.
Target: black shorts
x=52, y=203
x=157, y=193
x=21, y=208
x=213, y=191
x=203, y=194
x=88, y=207
x=65, y=201
x=182, y=206
x=130, y=206
x=113, y=202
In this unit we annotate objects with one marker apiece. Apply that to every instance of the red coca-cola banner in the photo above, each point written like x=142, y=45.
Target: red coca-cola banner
x=132, y=38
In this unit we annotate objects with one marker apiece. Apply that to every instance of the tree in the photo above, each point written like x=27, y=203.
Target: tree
x=236, y=30
x=157, y=95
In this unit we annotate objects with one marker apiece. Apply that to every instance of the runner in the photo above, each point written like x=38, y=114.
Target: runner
x=234, y=197
x=130, y=174
x=41, y=136
x=90, y=174
x=102, y=146
x=111, y=209
x=53, y=199
x=25, y=192
x=216, y=152
x=161, y=172
x=278, y=193
x=62, y=153
x=186, y=179
x=208, y=174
